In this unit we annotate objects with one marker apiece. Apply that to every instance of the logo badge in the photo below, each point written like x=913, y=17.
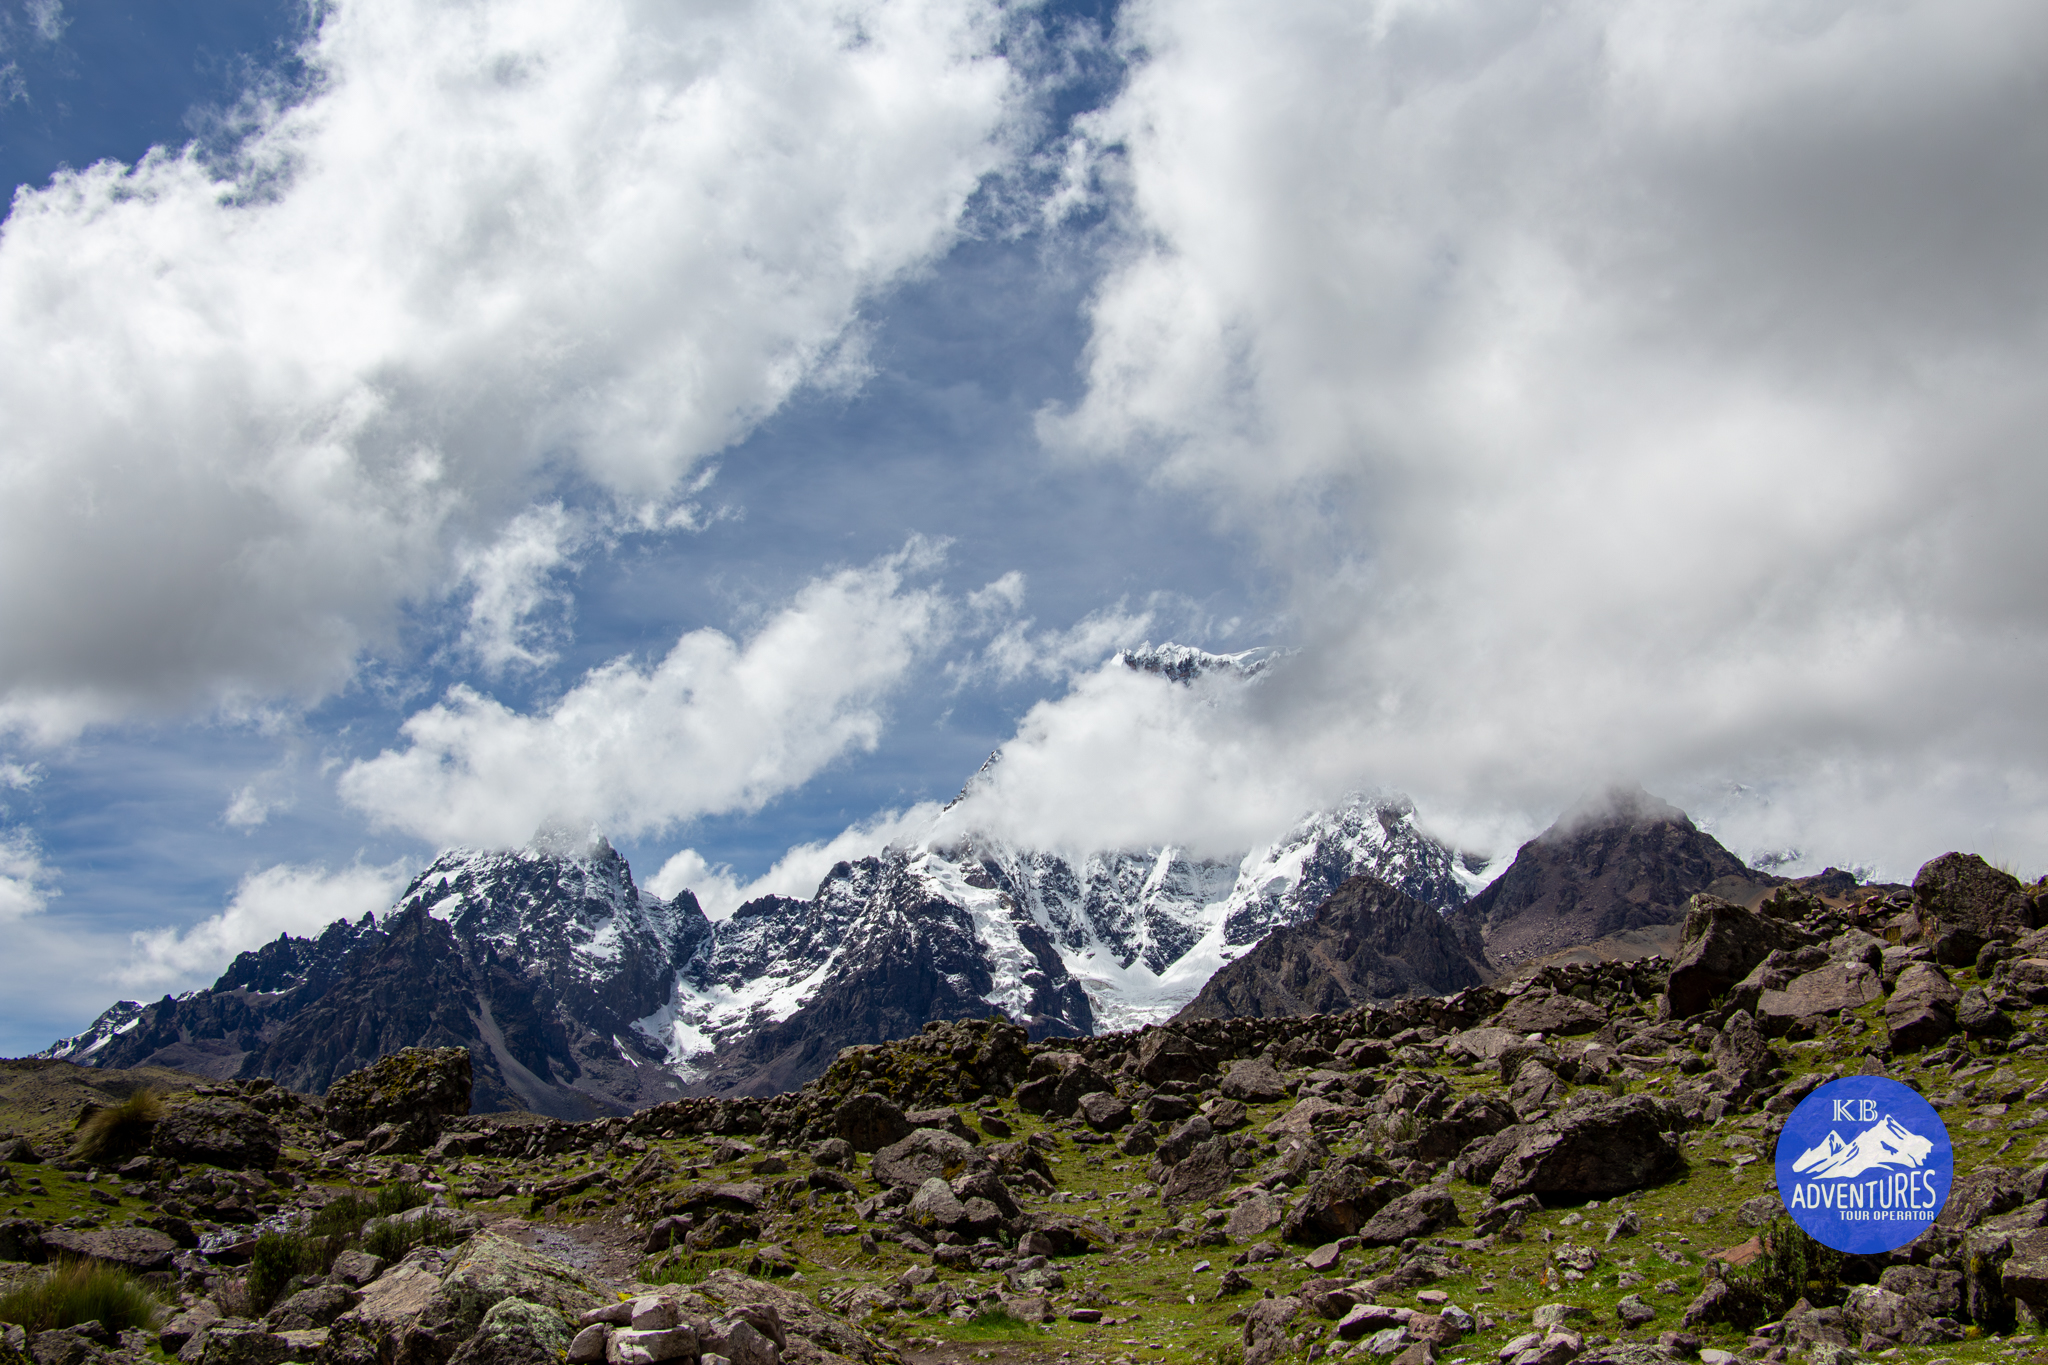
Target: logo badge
x=1864, y=1164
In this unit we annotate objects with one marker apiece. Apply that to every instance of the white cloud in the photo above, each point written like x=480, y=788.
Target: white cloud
x=798, y=872
x=501, y=250
x=716, y=725
x=1622, y=387
x=509, y=587
x=24, y=877
x=286, y=899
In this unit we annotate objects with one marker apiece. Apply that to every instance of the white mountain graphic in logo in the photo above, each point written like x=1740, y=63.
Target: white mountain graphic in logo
x=1882, y=1144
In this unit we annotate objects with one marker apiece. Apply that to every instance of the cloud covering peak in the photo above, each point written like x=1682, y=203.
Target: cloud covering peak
x=257, y=402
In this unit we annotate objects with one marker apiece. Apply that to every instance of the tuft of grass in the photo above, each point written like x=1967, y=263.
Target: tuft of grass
x=79, y=1291
x=120, y=1130
x=996, y=1323
x=685, y=1267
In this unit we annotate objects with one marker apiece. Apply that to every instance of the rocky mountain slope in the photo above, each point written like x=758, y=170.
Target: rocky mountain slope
x=1368, y=942
x=1619, y=861
x=1414, y=1177
x=538, y=962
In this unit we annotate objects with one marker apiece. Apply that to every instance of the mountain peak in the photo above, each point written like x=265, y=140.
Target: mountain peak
x=1184, y=663
x=582, y=844
x=1624, y=804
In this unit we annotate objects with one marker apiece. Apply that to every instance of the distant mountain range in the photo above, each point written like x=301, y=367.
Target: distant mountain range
x=578, y=993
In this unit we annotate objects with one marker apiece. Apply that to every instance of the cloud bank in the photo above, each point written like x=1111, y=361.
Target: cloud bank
x=716, y=725
x=1622, y=388
x=255, y=404
x=292, y=899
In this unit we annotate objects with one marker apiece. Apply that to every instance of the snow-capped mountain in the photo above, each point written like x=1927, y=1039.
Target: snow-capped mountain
x=573, y=988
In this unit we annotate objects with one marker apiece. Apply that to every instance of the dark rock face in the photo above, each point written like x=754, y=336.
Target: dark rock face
x=1964, y=903
x=1624, y=860
x=133, y=1249
x=1922, y=1008
x=867, y=1121
x=1368, y=942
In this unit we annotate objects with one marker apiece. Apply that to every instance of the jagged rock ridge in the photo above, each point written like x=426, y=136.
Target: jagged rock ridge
x=537, y=962
x=1620, y=860
x=1368, y=942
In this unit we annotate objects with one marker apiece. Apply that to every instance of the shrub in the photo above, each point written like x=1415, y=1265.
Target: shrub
x=1793, y=1267
x=353, y=1220
x=121, y=1129
x=279, y=1258
x=79, y=1291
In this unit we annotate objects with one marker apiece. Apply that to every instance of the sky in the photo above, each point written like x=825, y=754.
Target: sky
x=724, y=426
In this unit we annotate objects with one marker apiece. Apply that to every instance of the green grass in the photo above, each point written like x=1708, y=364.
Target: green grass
x=994, y=1324
x=79, y=1291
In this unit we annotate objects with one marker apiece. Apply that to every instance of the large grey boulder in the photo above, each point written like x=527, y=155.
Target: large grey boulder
x=1610, y=1147
x=1417, y=1213
x=1922, y=1008
x=1255, y=1081
x=1722, y=943
x=1340, y=1200
x=1964, y=903
x=1474, y=1116
x=868, y=1122
x=925, y=1154
x=1165, y=1055
x=218, y=1132
x=1823, y=992
x=414, y=1090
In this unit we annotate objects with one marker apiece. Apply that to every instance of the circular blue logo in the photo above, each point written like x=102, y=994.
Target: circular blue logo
x=1864, y=1164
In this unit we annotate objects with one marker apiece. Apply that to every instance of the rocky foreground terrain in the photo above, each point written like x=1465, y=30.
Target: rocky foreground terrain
x=1572, y=1165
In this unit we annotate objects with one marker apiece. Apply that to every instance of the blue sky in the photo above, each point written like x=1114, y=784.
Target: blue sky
x=725, y=428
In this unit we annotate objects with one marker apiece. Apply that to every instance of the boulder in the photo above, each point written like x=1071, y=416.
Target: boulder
x=1417, y=1213
x=1480, y=1045
x=236, y=1342
x=1069, y=1234
x=1740, y=1053
x=1922, y=1008
x=426, y=1307
x=311, y=1308
x=1546, y=1011
x=1104, y=1112
x=868, y=1122
x=132, y=1249
x=1164, y=1055
x=1877, y=1318
x=1936, y=1293
x=935, y=1207
x=1266, y=1322
x=1057, y=1082
x=1254, y=1081
x=1964, y=903
x=1537, y=1090
x=1979, y=1015
x=947, y=1120
x=1340, y=1200
x=218, y=1132
x=1185, y=1137
x=1252, y=1217
x=516, y=1332
x=926, y=1153
x=1205, y=1171
x=415, y=1089
x=1609, y=1147
x=1824, y=991
x=1721, y=944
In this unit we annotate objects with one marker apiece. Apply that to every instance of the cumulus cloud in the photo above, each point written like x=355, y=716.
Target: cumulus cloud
x=716, y=725
x=255, y=405
x=24, y=877
x=1623, y=388
x=285, y=899
x=796, y=873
